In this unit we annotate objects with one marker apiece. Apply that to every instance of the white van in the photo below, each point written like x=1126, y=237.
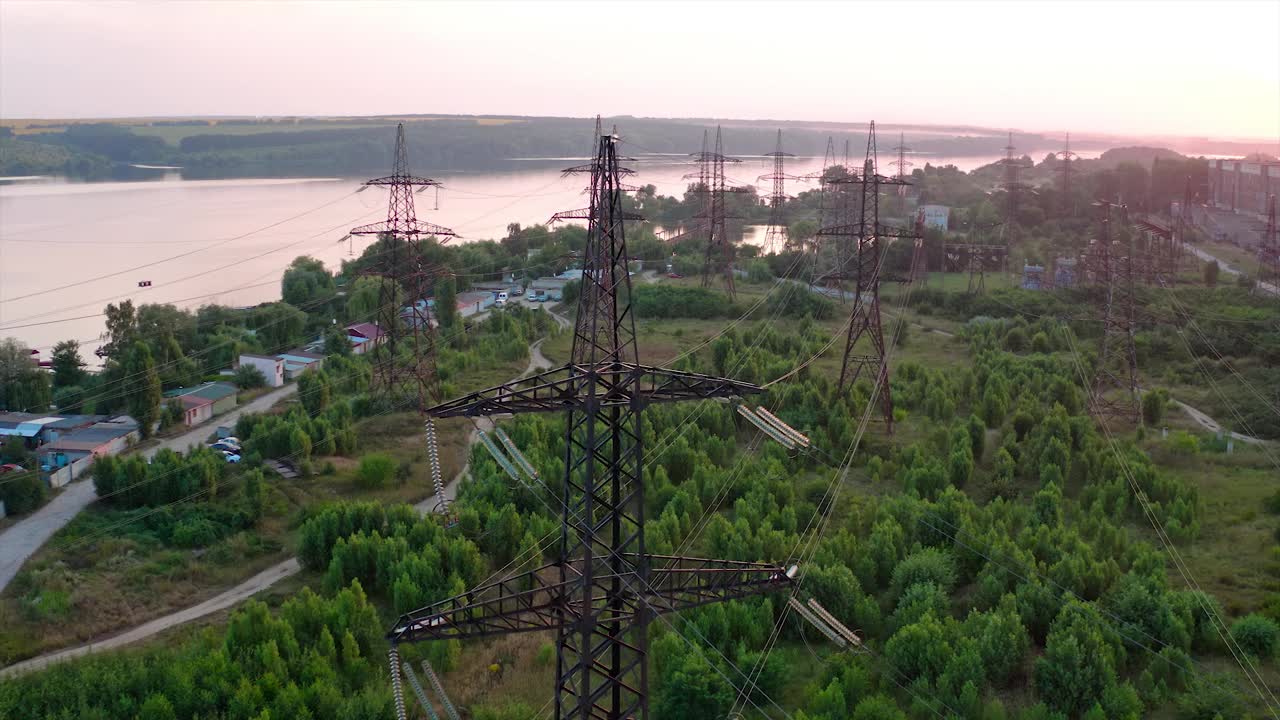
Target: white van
x=502, y=298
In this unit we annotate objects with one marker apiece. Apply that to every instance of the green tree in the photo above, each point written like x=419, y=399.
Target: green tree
x=1211, y=270
x=692, y=690
x=68, y=367
x=24, y=387
x=306, y=282
x=315, y=391
x=122, y=330
x=446, y=302
x=248, y=377
x=1154, y=403
x=376, y=470
x=142, y=387
x=1258, y=635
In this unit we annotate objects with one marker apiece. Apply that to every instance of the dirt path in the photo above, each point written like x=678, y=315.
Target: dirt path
x=24, y=538
x=239, y=593
x=1212, y=425
x=264, y=579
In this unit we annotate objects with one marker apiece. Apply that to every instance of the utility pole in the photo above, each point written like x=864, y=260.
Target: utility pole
x=864, y=318
x=604, y=588
x=405, y=355
x=1114, y=390
x=712, y=216
x=1065, y=170
x=775, y=237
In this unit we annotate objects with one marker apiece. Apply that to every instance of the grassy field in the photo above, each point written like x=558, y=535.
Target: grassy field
x=173, y=134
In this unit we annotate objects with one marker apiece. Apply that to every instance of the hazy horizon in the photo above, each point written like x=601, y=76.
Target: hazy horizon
x=1125, y=69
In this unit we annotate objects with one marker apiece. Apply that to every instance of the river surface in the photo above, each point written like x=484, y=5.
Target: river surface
x=69, y=248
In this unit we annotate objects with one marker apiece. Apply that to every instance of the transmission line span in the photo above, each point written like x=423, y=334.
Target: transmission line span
x=603, y=589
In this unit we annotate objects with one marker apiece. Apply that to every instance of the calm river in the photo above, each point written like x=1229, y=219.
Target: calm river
x=67, y=248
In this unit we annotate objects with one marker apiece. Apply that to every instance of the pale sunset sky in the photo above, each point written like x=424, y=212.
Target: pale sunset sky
x=1187, y=68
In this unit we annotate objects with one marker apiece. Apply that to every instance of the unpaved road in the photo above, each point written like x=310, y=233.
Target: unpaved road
x=264, y=579
x=239, y=593
x=24, y=538
x=1212, y=425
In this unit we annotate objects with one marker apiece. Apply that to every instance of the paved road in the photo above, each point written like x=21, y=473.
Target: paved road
x=24, y=538
x=259, y=582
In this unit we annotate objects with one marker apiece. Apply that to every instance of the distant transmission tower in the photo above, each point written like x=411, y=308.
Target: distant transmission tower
x=713, y=187
x=1012, y=185
x=604, y=588
x=1269, y=251
x=902, y=172
x=1065, y=170
x=1114, y=390
x=865, y=269
x=775, y=238
x=405, y=355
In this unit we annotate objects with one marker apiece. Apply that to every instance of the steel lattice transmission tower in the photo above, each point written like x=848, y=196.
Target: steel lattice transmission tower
x=712, y=215
x=1065, y=169
x=604, y=588
x=1269, y=250
x=901, y=171
x=1114, y=390
x=405, y=280
x=864, y=268
x=776, y=237
x=1012, y=185
x=833, y=209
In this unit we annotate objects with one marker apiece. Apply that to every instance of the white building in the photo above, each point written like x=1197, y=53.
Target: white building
x=272, y=367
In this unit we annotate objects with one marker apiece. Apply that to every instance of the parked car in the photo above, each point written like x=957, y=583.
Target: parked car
x=503, y=297
x=230, y=456
x=517, y=292
x=674, y=275
x=230, y=439
x=225, y=446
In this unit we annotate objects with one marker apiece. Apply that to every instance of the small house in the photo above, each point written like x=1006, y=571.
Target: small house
x=67, y=457
x=298, y=360
x=272, y=367
x=548, y=288
x=202, y=402
x=364, y=337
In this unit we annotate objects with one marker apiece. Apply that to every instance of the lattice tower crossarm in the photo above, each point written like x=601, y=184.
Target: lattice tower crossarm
x=603, y=588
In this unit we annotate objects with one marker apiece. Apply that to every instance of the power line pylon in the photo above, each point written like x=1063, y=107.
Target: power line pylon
x=1269, y=251
x=1012, y=185
x=901, y=172
x=1114, y=390
x=832, y=210
x=604, y=588
x=864, y=269
x=405, y=280
x=776, y=236
x=712, y=216
x=1065, y=170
